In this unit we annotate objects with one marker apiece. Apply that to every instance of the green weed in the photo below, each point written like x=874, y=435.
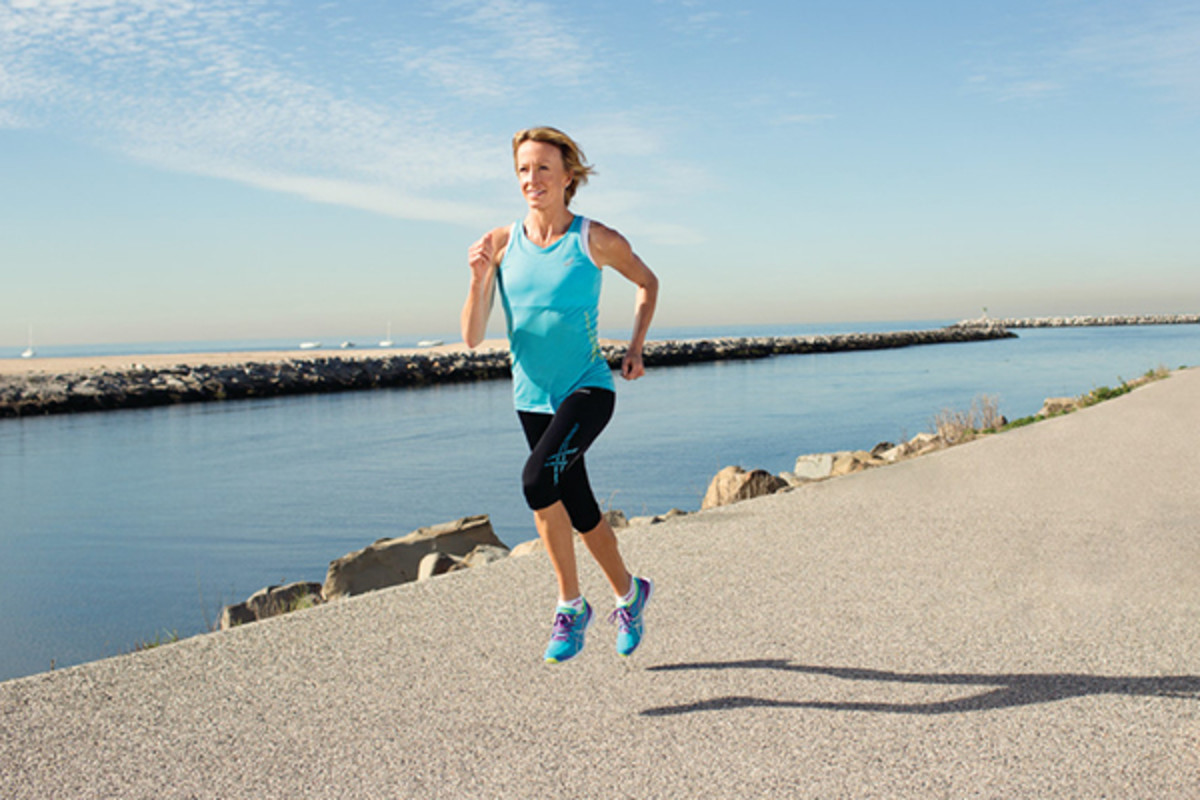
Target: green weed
x=166, y=637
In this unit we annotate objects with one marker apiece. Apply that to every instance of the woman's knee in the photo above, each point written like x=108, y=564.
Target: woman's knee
x=538, y=485
x=584, y=515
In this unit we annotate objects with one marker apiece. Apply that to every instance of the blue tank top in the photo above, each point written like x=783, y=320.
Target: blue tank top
x=551, y=296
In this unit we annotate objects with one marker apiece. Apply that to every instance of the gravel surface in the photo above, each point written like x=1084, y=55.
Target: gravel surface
x=1015, y=617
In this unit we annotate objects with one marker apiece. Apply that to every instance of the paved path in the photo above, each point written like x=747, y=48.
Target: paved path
x=1016, y=617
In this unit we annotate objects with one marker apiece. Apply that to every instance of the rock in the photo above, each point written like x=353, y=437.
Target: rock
x=433, y=564
x=792, y=479
x=734, y=483
x=845, y=462
x=388, y=562
x=924, y=443
x=921, y=440
x=527, y=548
x=814, y=467
x=275, y=600
x=657, y=518
x=481, y=556
x=878, y=450
x=616, y=518
x=270, y=602
x=1057, y=405
x=235, y=615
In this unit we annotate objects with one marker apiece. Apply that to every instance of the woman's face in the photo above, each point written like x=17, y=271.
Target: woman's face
x=543, y=176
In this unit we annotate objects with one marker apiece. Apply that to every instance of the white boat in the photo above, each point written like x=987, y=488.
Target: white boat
x=348, y=345
x=29, y=352
x=430, y=343
x=309, y=345
x=387, y=341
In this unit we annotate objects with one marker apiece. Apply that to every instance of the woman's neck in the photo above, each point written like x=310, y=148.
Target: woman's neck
x=545, y=227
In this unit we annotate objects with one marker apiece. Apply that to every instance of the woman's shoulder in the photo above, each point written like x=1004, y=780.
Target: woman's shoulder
x=604, y=242
x=499, y=238
x=501, y=235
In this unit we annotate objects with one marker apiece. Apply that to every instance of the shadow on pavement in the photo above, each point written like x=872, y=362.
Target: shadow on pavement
x=1007, y=690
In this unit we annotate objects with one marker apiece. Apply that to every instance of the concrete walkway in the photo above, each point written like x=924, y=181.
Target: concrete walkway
x=1016, y=617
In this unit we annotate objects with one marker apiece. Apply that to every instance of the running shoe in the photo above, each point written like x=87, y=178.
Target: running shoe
x=567, y=639
x=629, y=618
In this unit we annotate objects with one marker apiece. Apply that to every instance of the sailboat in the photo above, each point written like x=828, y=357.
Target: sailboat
x=29, y=352
x=387, y=341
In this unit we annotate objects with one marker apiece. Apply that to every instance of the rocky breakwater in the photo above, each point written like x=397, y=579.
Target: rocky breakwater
x=1081, y=322
x=141, y=387
x=673, y=352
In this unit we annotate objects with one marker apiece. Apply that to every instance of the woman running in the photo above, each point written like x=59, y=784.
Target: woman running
x=548, y=270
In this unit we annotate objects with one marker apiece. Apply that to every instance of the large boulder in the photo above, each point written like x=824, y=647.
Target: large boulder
x=270, y=602
x=433, y=564
x=734, y=483
x=814, y=467
x=1054, y=406
x=819, y=466
x=848, y=462
x=924, y=443
x=481, y=556
x=528, y=548
x=388, y=562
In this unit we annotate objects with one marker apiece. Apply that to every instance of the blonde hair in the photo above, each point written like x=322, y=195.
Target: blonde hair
x=572, y=154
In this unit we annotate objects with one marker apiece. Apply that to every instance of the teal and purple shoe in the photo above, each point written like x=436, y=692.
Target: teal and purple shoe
x=567, y=639
x=628, y=618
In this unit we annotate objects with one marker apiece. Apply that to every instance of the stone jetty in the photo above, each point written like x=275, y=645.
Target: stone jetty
x=1082, y=321
x=139, y=386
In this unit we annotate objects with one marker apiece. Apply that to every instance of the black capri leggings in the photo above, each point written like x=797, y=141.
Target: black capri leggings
x=555, y=469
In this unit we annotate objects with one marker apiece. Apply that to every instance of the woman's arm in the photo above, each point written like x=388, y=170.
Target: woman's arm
x=483, y=258
x=610, y=248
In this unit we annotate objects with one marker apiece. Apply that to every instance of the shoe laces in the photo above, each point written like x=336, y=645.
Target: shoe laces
x=622, y=617
x=564, y=624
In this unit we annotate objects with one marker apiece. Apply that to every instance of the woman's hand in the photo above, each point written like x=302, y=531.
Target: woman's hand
x=481, y=257
x=631, y=365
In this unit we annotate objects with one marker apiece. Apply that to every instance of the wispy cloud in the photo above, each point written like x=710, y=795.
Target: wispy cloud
x=1151, y=44
x=314, y=102
x=700, y=20
x=803, y=119
x=214, y=89
x=499, y=44
x=1156, y=45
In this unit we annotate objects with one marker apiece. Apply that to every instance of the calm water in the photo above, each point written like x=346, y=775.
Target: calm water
x=117, y=527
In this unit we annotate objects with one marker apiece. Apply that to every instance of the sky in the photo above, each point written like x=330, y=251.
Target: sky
x=234, y=169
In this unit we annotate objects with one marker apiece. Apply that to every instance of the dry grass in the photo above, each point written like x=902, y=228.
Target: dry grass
x=955, y=427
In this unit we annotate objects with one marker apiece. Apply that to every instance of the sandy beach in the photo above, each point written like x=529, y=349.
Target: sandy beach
x=1014, y=617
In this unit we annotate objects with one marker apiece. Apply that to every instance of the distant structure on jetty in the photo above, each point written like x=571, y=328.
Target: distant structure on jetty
x=141, y=387
x=1082, y=322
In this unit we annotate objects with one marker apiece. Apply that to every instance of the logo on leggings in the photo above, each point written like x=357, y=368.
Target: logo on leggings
x=558, y=462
